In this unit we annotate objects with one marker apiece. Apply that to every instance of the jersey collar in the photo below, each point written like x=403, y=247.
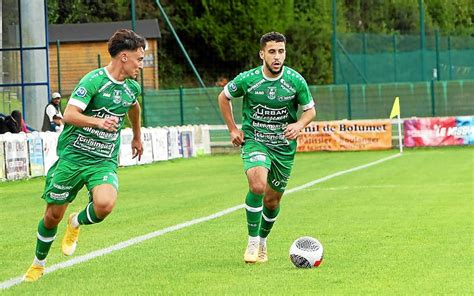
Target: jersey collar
x=111, y=78
x=275, y=78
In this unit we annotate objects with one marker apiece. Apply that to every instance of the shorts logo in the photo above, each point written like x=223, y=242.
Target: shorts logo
x=232, y=86
x=59, y=196
x=81, y=92
x=258, y=157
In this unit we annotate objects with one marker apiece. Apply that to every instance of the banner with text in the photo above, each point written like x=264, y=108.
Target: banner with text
x=346, y=135
x=439, y=131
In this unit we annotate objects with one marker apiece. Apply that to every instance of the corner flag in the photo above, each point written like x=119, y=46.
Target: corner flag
x=396, y=113
x=395, y=108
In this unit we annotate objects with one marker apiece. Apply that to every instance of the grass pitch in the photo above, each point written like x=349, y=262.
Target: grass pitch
x=404, y=226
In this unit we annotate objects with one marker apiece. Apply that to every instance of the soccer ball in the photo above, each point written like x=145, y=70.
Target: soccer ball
x=306, y=252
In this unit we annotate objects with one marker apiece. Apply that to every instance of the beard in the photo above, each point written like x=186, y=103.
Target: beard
x=273, y=71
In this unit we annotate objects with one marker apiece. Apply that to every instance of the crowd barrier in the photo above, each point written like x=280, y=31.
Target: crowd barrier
x=31, y=155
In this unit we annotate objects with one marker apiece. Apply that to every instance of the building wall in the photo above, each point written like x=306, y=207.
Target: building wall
x=79, y=58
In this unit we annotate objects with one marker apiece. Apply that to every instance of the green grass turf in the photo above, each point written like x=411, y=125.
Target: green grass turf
x=401, y=227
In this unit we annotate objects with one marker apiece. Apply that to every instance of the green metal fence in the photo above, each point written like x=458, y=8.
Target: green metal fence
x=375, y=58
x=333, y=102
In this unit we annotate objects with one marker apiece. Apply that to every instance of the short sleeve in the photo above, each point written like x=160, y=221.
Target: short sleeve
x=235, y=88
x=83, y=93
x=305, y=99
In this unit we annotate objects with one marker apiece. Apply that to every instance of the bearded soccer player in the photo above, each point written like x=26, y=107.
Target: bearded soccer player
x=89, y=145
x=271, y=94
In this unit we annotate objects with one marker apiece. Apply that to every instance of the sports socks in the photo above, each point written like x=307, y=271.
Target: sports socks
x=88, y=216
x=45, y=238
x=253, y=209
x=268, y=219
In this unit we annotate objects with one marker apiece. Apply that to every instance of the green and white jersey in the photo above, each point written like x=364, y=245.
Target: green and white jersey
x=97, y=95
x=270, y=104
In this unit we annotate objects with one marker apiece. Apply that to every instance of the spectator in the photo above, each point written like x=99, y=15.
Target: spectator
x=51, y=110
x=21, y=125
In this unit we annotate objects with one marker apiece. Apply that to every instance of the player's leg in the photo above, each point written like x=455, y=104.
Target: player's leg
x=102, y=183
x=271, y=208
x=277, y=181
x=256, y=177
x=47, y=229
x=256, y=166
x=61, y=186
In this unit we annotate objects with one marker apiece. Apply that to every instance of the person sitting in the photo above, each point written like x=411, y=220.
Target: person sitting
x=22, y=127
x=51, y=110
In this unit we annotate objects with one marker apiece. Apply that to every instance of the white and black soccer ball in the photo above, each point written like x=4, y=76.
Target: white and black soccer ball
x=306, y=252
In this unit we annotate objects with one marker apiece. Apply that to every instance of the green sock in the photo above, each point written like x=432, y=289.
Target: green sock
x=88, y=216
x=268, y=218
x=45, y=238
x=253, y=208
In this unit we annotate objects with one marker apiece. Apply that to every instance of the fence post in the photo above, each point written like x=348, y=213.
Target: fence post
x=364, y=52
x=438, y=70
x=349, y=101
x=449, y=58
x=98, y=61
x=422, y=39
x=59, y=65
x=394, y=44
x=142, y=85
x=181, y=107
x=433, y=99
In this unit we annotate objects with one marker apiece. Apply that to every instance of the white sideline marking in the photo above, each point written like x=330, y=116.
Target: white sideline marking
x=133, y=241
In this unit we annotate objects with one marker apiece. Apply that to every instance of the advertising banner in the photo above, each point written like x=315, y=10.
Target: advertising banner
x=346, y=135
x=35, y=146
x=2, y=159
x=16, y=156
x=147, y=156
x=175, y=149
x=50, y=143
x=125, y=154
x=439, y=131
x=159, y=138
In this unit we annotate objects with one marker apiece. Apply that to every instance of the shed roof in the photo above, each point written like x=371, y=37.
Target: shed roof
x=101, y=31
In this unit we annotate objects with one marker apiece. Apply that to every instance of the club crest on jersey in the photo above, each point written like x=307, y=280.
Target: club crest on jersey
x=117, y=96
x=271, y=92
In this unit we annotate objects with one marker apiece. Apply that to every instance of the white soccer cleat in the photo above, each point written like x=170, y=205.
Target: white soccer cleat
x=262, y=254
x=251, y=253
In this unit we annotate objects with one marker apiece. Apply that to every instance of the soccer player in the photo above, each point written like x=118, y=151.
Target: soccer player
x=271, y=94
x=89, y=145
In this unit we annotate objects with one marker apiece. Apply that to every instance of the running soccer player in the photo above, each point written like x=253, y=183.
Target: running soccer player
x=89, y=145
x=271, y=94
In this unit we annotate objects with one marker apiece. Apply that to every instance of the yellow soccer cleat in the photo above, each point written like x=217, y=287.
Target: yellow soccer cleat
x=262, y=254
x=69, y=243
x=33, y=273
x=251, y=253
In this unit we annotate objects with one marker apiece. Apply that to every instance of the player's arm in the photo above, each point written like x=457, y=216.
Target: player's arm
x=73, y=115
x=292, y=130
x=225, y=105
x=134, y=114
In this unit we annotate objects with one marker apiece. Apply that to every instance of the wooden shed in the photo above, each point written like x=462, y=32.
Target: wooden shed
x=83, y=47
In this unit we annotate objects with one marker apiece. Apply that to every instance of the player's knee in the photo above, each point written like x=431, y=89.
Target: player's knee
x=258, y=188
x=271, y=204
x=104, y=207
x=52, y=219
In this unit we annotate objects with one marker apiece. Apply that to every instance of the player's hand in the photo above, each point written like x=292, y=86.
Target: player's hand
x=109, y=124
x=292, y=131
x=137, y=148
x=236, y=137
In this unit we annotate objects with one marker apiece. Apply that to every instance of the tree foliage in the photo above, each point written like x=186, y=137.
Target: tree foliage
x=222, y=36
